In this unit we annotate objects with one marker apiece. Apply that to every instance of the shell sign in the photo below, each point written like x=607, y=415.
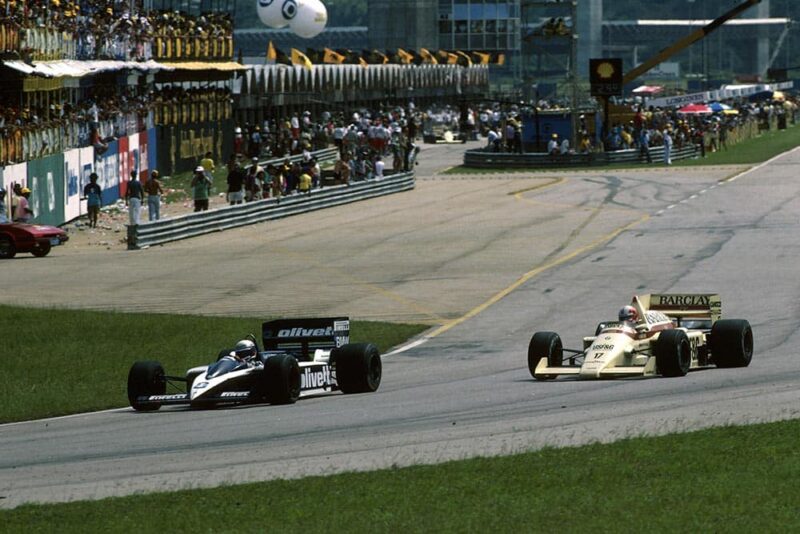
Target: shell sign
x=605, y=76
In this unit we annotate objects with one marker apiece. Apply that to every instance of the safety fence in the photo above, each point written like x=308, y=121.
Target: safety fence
x=204, y=222
x=486, y=159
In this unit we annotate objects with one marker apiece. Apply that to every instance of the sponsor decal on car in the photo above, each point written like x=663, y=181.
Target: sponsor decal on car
x=600, y=346
x=234, y=394
x=685, y=300
x=306, y=332
x=315, y=377
x=176, y=396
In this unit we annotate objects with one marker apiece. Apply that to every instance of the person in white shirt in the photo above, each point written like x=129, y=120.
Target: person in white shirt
x=379, y=166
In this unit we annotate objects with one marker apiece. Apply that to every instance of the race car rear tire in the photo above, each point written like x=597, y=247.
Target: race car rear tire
x=41, y=249
x=7, y=248
x=145, y=379
x=358, y=367
x=281, y=379
x=545, y=345
x=732, y=343
x=673, y=353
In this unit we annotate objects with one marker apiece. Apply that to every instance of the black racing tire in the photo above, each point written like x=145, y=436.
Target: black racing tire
x=146, y=378
x=41, y=249
x=732, y=343
x=673, y=353
x=358, y=366
x=7, y=248
x=545, y=345
x=281, y=379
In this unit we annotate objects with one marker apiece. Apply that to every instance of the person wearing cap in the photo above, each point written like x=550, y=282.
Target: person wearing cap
x=208, y=165
x=3, y=212
x=552, y=146
x=23, y=212
x=134, y=195
x=92, y=192
x=201, y=186
x=154, y=191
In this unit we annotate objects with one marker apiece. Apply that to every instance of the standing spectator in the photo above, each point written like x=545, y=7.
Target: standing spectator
x=341, y=170
x=3, y=213
x=564, y=149
x=379, y=167
x=254, y=147
x=236, y=178
x=668, y=146
x=134, y=195
x=277, y=181
x=200, y=188
x=23, y=213
x=644, y=145
x=154, y=191
x=15, y=198
x=552, y=146
x=238, y=141
x=208, y=166
x=509, y=135
x=93, y=195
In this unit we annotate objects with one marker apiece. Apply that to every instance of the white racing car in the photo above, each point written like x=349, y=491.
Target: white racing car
x=658, y=334
x=301, y=357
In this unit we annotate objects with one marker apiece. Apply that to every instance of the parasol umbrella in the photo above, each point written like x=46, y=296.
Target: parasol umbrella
x=695, y=109
x=719, y=107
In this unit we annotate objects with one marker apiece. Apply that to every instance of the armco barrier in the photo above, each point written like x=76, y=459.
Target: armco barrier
x=204, y=222
x=484, y=159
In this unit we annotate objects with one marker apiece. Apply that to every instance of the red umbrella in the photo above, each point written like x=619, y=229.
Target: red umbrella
x=696, y=109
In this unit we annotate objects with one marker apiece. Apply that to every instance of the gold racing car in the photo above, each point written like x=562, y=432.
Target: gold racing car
x=657, y=334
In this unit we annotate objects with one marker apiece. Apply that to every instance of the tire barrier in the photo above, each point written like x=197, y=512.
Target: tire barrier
x=204, y=222
x=485, y=159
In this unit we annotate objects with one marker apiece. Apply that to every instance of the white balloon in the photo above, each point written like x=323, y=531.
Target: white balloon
x=276, y=13
x=310, y=19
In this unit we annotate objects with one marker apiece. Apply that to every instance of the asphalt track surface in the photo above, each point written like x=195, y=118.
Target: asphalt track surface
x=568, y=249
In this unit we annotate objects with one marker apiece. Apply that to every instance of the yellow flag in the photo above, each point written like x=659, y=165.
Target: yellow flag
x=299, y=58
x=332, y=57
x=272, y=54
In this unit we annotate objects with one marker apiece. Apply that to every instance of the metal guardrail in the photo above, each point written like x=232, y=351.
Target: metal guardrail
x=485, y=159
x=204, y=222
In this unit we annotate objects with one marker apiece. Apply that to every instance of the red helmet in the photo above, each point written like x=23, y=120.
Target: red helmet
x=628, y=313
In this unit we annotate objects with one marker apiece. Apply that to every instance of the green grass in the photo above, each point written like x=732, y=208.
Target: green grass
x=58, y=362
x=757, y=150
x=731, y=479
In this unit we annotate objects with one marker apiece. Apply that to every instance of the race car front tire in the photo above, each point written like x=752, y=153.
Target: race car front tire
x=358, y=367
x=281, y=379
x=145, y=379
x=545, y=345
x=673, y=353
x=732, y=343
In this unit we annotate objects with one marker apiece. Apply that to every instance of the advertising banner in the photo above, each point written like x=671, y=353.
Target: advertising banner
x=48, y=194
x=14, y=174
x=182, y=146
x=72, y=179
x=107, y=169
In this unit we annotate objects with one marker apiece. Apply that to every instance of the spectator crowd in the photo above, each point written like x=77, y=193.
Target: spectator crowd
x=110, y=29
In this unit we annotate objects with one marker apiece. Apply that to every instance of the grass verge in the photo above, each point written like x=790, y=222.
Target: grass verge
x=757, y=150
x=730, y=479
x=60, y=362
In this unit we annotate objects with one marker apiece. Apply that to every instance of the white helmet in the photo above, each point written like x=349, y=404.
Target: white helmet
x=245, y=349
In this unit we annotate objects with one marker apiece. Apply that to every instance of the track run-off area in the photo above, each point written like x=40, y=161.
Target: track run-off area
x=485, y=260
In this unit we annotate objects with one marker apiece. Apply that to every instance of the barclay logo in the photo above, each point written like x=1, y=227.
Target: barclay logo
x=311, y=379
x=685, y=300
x=306, y=332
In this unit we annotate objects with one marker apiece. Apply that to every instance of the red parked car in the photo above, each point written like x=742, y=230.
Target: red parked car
x=37, y=239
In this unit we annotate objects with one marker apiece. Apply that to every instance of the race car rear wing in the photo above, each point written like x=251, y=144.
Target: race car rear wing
x=304, y=336
x=693, y=306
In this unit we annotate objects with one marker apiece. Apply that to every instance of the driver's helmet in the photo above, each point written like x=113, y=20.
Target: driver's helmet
x=245, y=349
x=628, y=314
